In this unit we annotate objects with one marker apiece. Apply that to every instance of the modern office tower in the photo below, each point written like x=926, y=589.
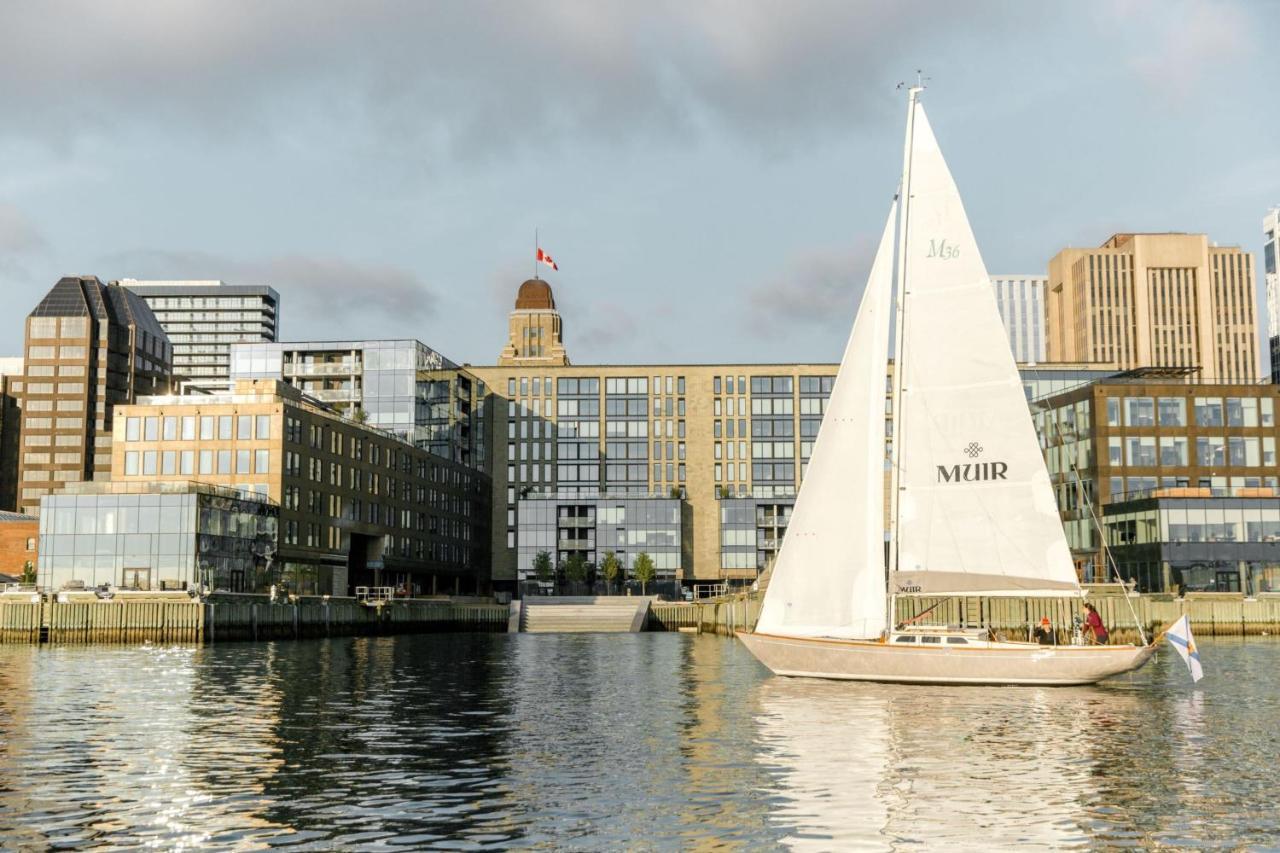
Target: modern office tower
x=1155, y=300
x=358, y=506
x=535, y=335
x=1115, y=446
x=204, y=318
x=1270, y=253
x=89, y=348
x=401, y=386
x=1020, y=299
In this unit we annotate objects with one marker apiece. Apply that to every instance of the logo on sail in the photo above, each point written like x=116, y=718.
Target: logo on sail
x=973, y=472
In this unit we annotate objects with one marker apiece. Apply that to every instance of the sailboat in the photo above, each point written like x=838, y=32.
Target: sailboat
x=971, y=509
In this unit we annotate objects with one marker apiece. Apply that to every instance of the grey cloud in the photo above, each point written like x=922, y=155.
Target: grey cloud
x=321, y=296
x=451, y=79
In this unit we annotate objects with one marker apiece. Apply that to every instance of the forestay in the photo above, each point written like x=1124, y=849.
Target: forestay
x=829, y=577
x=976, y=510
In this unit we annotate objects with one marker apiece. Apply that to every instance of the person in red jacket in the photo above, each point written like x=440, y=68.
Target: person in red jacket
x=1093, y=627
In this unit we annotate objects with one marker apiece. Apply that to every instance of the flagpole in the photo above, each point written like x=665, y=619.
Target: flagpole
x=535, y=251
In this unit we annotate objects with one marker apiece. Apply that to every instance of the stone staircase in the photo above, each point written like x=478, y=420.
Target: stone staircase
x=582, y=614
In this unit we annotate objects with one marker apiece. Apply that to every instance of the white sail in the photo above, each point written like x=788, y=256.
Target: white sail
x=976, y=511
x=829, y=577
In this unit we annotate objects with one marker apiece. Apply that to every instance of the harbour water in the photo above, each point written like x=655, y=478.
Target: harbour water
x=639, y=741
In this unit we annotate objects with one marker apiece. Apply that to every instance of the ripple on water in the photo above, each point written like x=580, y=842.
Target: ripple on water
x=636, y=741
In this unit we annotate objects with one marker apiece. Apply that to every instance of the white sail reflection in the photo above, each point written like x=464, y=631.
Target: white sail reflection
x=880, y=766
x=828, y=748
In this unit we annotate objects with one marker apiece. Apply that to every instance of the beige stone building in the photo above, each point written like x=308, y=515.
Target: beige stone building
x=733, y=439
x=358, y=506
x=1155, y=300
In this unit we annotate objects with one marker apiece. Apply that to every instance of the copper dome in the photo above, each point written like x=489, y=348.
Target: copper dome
x=535, y=295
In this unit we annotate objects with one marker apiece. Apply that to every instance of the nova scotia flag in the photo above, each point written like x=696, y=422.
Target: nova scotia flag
x=1179, y=636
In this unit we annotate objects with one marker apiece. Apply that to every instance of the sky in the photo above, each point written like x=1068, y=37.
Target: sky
x=710, y=176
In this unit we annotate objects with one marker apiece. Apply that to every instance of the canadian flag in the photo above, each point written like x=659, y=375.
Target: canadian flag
x=544, y=258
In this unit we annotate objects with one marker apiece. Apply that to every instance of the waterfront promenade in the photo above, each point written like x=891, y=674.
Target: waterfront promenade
x=230, y=617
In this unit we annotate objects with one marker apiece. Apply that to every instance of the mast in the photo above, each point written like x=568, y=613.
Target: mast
x=895, y=455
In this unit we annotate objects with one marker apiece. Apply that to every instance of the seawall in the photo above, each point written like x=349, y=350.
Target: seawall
x=1211, y=613
x=223, y=618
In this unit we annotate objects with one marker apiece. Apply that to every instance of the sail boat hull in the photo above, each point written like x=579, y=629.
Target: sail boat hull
x=858, y=660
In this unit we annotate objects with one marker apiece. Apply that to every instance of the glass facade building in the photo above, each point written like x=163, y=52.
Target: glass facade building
x=1121, y=440
x=1205, y=544
x=176, y=535
x=204, y=318
x=751, y=531
x=565, y=525
x=400, y=386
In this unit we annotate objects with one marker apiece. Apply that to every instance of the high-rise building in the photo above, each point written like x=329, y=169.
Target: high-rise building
x=1270, y=253
x=1155, y=300
x=1020, y=299
x=204, y=318
x=401, y=386
x=89, y=348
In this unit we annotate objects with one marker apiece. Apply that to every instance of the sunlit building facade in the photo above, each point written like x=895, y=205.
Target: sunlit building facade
x=1155, y=300
x=90, y=347
x=1133, y=439
x=1271, y=273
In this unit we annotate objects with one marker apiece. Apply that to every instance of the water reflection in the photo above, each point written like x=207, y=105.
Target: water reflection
x=606, y=742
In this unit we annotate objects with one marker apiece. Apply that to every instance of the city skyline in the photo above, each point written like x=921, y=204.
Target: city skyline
x=743, y=183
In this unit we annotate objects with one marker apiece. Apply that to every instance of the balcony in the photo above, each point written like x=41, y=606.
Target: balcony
x=335, y=369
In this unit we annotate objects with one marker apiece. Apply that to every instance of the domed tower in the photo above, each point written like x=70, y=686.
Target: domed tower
x=534, y=330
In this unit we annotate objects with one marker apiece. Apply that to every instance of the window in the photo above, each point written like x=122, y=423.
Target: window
x=1139, y=412
x=1173, y=451
x=224, y=461
x=132, y=429
x=224, y=427
x=186, y=462
x=1208, y=411
x=242, y=462
x=904, y=638
x=206, y=427
x=264, y=428
x=169, y=463
x=170, y=431
x=1173, y=411
x=151, y=429
x=1113, y=411
x=189, y=428
x=244, y=427
x=131, y=463
x=149, y=463
x=1142, y=451
x=206, y=461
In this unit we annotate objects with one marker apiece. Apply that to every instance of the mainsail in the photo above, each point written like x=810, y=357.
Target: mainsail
x=976, y=512
x=829, y=577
